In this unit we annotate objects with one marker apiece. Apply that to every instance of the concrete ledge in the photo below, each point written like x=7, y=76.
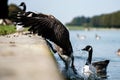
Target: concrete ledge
x=26, y=57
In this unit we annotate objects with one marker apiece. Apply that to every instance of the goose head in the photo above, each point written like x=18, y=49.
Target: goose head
x=88, y=70
x=88, y=48
x=23, y=5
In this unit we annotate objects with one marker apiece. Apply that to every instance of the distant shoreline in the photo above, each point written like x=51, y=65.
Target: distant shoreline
x=91, y=28
x=103, y=29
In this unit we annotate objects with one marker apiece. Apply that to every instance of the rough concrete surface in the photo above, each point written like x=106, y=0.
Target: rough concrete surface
x=26, y=57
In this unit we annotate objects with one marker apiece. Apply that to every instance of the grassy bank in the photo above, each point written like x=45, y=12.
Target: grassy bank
x=90, y=28
x=8, y=29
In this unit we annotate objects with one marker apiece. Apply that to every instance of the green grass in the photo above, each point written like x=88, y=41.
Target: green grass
x=8, y=29
x=90, y=27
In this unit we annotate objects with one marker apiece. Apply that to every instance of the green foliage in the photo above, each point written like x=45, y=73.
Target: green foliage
x=7, y=30
x=13, y=10
x=111, y=20
x=79, y=21
x=107, y=20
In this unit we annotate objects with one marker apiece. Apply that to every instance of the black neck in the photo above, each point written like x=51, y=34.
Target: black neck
x=89, y=59
x=24, y=7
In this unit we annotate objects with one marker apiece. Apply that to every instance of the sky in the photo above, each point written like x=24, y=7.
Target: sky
x=66, y=10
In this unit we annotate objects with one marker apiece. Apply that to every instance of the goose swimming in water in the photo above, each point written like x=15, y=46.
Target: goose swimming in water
x=88, y=70
x=81, y=37
x=118, y=52
x=97, y=37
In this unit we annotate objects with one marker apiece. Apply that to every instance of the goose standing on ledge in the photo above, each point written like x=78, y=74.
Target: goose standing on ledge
x=19, y=26
x=89, y=71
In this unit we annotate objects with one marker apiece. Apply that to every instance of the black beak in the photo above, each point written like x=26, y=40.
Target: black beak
x=84, y=49
x=107, y=61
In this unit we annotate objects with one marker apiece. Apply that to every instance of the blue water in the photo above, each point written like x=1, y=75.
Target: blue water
x=104, y=48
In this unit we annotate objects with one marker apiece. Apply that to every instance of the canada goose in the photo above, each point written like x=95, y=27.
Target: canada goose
x=88, y=70
x=23, y=5
x=19, y=26
x=52, y=29
x=101, y=68
x=97, y=37
x=81, y=37
x=118, y=52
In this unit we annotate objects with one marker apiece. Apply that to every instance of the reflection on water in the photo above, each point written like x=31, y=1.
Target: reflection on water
x=103, y=48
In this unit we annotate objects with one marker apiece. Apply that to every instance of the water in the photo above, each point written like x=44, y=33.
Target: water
x=103, y=48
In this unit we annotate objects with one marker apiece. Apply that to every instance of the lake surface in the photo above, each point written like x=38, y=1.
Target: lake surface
x=103, y=48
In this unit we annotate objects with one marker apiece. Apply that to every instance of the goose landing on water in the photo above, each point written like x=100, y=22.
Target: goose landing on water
x=97, y=68
x=89, y=71
x=50, y=29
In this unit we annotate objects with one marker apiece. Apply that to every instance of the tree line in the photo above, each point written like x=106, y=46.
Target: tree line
x=111, y=20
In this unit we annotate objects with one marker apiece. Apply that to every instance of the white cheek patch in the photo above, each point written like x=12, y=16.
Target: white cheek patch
x=89, y=49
